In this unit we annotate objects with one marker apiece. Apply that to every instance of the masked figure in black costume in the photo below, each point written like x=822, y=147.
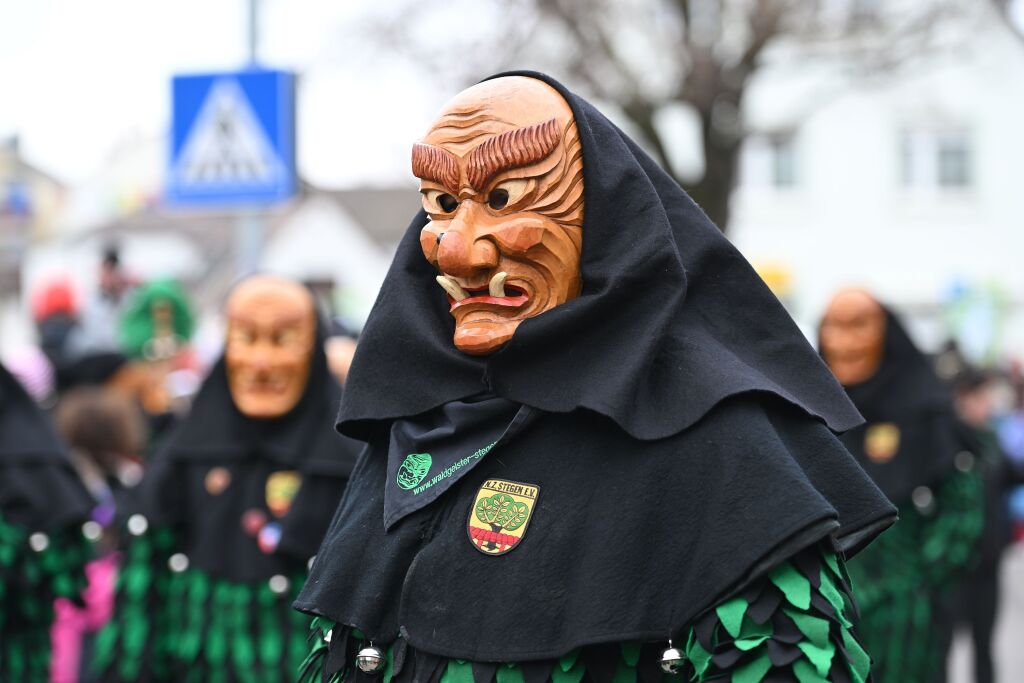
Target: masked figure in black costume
x=231, y=508
x=618, y=459
x=922, y=457
x=44, y=510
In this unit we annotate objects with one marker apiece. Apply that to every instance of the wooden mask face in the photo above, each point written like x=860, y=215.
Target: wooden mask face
x=501, y=174
x=271, y=333
x=853, y=336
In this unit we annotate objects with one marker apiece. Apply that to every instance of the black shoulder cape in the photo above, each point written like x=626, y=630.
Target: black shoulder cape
x=178, y=489
x=907, y=394
x=39, y=488
x=681, y=441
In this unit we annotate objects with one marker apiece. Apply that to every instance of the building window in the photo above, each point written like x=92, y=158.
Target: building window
x=783, y=151
x=932, y=159
x=770, y=160
x=954, y=157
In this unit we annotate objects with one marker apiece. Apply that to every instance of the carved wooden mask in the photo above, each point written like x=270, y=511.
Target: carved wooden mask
x=270, y=338
x=853, y=336
x=501, y=175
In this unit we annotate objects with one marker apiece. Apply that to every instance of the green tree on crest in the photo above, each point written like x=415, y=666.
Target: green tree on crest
x=502, y=513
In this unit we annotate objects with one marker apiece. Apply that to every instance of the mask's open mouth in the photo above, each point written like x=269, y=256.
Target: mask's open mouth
x=273, y=384
x=514, y=297
x=497, y=293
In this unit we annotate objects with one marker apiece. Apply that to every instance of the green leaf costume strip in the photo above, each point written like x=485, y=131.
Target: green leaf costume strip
x=189, y=626
x=795, y=624
x=905, y=574
x=30, y=579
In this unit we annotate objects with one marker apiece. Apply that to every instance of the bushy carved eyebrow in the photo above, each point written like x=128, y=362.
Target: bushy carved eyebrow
x=434, y=163
x=512, y=149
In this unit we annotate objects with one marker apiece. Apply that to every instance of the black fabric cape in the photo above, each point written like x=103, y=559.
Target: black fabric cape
x=215, y=434
x=682, y=447
x=906, y=392
x=39, y=488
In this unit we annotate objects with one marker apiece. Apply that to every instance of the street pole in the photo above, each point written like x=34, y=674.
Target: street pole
x=250, y=227
x=250, y=223
x=254, y=31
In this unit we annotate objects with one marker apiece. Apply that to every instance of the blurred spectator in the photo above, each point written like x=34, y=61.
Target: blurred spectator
x=55, y=310
x=101, y=315
x=233, y=506
x=114, y=283
x=104, y=431
x=158, y=321
x=89, y=369
x=44, y=510
x=155, y=332
x=920, y=455
x=33, y=370
x=977, y=599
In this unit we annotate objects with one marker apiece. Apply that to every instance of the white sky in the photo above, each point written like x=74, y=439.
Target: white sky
x=77, y=78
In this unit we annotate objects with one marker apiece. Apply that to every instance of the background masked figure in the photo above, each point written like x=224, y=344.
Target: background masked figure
x=597, y=444
x=43, y=553
x=231, y=508
x=922, y=458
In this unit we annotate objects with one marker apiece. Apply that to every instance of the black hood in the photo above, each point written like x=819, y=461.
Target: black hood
x=175, y=491
x=671, y=320
x=215, y=428
x=631, y=536
x=905, y=384
x=39, y=487
x=907, y=396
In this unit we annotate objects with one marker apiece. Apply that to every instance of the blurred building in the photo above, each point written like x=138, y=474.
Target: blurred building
x=30, y=200
x=338, y=241
x=909, y=185
x=341, y=241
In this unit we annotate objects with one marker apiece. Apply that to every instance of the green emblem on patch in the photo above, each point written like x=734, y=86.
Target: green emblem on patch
x=500, y=513
x=414, y=468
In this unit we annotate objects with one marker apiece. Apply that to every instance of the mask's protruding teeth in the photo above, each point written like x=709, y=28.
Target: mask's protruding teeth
x=497, y=286
x=452, y=287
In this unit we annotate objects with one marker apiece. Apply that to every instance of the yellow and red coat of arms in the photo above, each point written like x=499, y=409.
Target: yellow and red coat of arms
x=500, y=515
x=882, y=441
x=280, y=491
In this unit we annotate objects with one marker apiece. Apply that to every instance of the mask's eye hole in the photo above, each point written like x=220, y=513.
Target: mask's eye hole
x=436, y=201
x=506, y=194
x=447, y=203
x=242, y=335
x=498, y=199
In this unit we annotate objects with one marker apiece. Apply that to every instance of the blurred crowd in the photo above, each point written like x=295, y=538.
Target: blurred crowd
x=115, y=373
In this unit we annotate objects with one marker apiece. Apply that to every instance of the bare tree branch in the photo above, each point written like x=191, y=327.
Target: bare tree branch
x=1004, y=8
x=706, y=52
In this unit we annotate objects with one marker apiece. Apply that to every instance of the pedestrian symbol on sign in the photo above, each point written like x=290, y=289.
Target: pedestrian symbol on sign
x=227, y=143
x=232, y=138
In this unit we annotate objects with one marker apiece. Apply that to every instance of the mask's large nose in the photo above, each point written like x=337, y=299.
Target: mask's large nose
x=460, y=251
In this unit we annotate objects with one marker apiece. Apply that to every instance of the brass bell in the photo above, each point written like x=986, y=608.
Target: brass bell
x=370, y=660
x=672, y=660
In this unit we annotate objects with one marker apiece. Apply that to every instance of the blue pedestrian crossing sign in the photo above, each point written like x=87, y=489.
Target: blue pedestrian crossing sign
x=232, y=138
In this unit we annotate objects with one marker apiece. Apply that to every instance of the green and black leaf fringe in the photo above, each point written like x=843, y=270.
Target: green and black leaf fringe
x=188, y=626
x=30, y=581
x=906, y=572
x=793, y=625
x=129, y=644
